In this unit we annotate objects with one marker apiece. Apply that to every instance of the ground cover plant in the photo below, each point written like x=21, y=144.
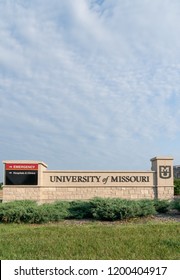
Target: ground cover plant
x=30, y=212
x=109, y=209
x=90, y=240
x=176, y=205
x=162, y=206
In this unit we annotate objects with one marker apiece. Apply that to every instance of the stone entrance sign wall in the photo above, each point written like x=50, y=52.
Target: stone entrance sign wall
x=32, y=180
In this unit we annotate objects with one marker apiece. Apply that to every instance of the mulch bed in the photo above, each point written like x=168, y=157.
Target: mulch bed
x=172, y=215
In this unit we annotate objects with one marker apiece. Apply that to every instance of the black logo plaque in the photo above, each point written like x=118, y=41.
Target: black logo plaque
x=165, y=171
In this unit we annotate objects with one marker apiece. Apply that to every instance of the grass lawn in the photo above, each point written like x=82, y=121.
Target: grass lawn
x=77, y=240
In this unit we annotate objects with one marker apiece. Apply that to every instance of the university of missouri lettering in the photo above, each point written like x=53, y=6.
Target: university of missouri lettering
x=75, y=179
x=132, y=179
x=98, y=179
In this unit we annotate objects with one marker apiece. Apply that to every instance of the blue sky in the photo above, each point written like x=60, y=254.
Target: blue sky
x=88, y=84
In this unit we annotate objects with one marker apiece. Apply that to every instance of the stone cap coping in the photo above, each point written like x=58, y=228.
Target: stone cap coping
x=162, y=158
x=25, y=161
x=99, y=171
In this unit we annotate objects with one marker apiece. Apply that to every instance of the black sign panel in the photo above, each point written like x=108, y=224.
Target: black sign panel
x=21, y=174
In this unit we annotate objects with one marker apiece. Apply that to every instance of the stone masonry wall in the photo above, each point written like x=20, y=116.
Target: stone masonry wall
x=52, y=194
x=48, y=195
x=21, y=193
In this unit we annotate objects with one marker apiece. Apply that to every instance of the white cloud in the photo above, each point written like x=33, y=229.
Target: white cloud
x=86, y=85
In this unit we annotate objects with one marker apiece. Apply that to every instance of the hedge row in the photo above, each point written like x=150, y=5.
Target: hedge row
x=29, y=212
x=99, y=209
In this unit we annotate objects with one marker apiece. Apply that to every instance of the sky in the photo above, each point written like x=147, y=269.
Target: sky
x=90, y=84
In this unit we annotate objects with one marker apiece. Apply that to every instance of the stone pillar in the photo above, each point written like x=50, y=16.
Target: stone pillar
x=22, y=180
x=164, y=179
x=41, y=167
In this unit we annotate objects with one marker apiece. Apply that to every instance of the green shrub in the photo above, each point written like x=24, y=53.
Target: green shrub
x=56, y=211
x=12, y=215
x=17, y=211
x=176, y=204
x=109, y=209
x=34, y=215
x=13, y=211
x=105, y=209
x=177, y=186
x=30, y=212
x=161, y=206
x=118, y=209
x=146, y=207
x=80, y=209
x=16, y=203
